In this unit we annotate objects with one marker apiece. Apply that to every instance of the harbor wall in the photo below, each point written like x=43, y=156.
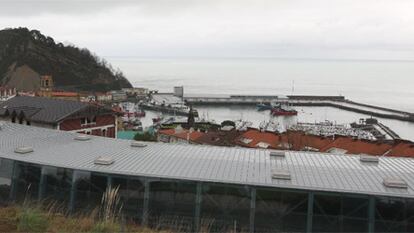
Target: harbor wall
x=303, y=100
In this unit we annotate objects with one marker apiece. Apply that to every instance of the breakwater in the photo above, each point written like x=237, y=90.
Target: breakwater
x=339, y=102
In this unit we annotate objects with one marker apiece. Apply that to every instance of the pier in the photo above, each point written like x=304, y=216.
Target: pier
x=165, y=109
x=339, y=102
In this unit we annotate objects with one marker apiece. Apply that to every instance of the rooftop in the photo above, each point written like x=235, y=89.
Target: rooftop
x=46, y=110
x=64, y=94
x=182, y=134
x=231, y=165
x=298, y=140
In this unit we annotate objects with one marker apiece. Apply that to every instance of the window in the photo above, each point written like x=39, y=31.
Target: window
x=280, y=211
x=57, y=184
x=225, y=207
x=104, y=132
x=83, y=121
x=89, y=190
x=335, y=213
x=28, y=181
x=6, y=170
x=88, y=120
x=394, y=214
x=131, y=192
x=172, y=201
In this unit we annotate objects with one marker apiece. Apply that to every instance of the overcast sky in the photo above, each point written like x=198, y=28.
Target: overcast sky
x=344, y=29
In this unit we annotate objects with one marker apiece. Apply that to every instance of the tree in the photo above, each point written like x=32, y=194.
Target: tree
x=146, y=137
x=228, y=123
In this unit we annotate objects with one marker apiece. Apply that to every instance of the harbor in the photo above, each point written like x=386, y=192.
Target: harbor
x=339, y=102
x=277, y=113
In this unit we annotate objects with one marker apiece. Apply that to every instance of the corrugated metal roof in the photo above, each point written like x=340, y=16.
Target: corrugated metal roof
x=309, y=171
x=40, y=109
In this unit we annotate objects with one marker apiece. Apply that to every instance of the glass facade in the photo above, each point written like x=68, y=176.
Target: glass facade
x=89, y=188
x=27, y=182
x=172, y=203
x=131, y=191
x=394, y=214
x=6, y=174
x=280, y=211
x=164, y=203
x=338, y=213
x=224, y=207
x=56, y=185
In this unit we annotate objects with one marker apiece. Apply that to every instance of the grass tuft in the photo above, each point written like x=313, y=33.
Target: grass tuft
x=32, y=220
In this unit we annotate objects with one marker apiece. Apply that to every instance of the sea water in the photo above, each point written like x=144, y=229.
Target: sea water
x=383, y=83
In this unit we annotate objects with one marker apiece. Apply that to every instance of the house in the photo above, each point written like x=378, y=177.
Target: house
x=179, y=135
x=138, y=92
x=219, y=138
x=103, y=97
x=60, y=114
x=119, y=96
x=7, y=93
x=65, y=95
x=254, y=138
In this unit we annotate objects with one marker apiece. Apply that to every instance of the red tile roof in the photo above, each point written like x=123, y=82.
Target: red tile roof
x=252, y=137
x=356, y=146
x=219, y=138
x=403, y=149
x=296, y=140
x=64, y=94
x=183, y=134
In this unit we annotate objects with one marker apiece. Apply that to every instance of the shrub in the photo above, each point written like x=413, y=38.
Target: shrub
x=106, y=227
x=146, y=137
x=32, y=220
x=8, y=219
x=228, y=123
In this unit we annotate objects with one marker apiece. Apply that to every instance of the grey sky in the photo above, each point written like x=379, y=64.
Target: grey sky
x=368, y=29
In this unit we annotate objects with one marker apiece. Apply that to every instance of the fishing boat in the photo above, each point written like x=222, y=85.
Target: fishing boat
x=139, y=112
x=263, y=107
x=283, y=110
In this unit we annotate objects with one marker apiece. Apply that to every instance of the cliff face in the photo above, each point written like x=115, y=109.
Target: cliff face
x=25, y=55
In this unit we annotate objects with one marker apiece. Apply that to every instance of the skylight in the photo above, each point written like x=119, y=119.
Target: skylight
x=138, y=144
x=395, y=182
x=281, y=174
x=369, y=159
x=82, y=137
x=104, y=160
x=24, y=150
x=277, y=153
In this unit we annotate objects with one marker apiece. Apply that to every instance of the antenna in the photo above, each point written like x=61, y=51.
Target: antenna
x=293, y=86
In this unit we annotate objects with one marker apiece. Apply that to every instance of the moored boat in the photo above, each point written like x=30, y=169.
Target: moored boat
x=263, y=107
x=283, y=110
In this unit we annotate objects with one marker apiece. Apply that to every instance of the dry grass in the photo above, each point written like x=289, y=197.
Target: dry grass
x=40, y=219
x=111, y=207
x=52, y=217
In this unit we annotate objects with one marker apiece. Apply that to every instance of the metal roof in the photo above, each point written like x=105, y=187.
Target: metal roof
x=47, y=110
x=309, y=171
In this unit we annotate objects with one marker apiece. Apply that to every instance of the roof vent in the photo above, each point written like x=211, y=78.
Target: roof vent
x=104, y=160
x=138, y=144
x=395, y=183
x=369, y=159
x=281, y=174
x=277, y=153
x=82, y=137
x=24, y=150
